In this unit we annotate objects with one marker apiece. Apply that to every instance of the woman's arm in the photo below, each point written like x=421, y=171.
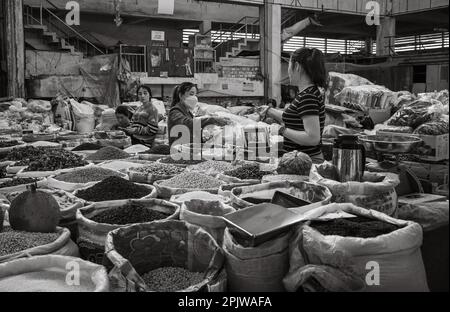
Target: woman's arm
x=309, y=137
x=149, y=129
x=275, y=114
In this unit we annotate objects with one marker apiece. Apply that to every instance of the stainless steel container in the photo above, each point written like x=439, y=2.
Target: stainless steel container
x=349, y=158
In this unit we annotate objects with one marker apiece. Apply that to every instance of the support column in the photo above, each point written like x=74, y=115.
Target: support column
x=15, y=48
x=272, y=50
x=386, y=36
x=205, y=26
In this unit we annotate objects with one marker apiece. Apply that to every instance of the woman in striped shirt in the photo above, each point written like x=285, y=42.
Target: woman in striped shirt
x=304, y=120
x=145, y=122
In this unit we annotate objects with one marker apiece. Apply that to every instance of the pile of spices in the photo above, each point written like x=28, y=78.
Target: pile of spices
x=354, y=227
x=169, y=279
x=114, y=188
x=108, y=153
x=128, y=214
x=160, y=150
x=26, y=153
x=192, y=180
x=159, y=169
x=170, y=160
x=87, y=147
x=247, y=172
x=213, y=166
x=4, y=144
x=18, y=181
x=14, y=241
x=86, y=175
x=45, y=158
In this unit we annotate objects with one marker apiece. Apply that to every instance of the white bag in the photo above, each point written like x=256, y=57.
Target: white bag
x=397, y=255
x=84, y=115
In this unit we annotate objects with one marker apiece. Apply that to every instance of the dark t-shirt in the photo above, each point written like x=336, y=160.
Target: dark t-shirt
x=309, y=102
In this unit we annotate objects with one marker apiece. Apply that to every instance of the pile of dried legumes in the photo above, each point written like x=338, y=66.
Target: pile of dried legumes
x=86, y=175
x=192, y=180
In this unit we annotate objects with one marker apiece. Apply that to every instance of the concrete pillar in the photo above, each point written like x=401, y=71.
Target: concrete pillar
x=386, y=36
x=272, y=50
x=15, y=48
x=205, y=26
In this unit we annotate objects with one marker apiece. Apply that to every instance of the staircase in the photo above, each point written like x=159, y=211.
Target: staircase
x=46, y=31
x=244, y=35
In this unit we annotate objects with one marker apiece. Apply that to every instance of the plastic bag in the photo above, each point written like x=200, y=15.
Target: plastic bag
x=39, y=106
x=365, y=97
x=438, y=126
x=416, y=113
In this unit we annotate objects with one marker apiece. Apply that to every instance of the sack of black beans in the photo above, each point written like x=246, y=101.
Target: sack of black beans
x=50, y=274
x=246, y=196
x=96, y=220
x=207, y=215
x=343, y=247
x=256, y=269
x=377, y=191
x=16, y=244
x=164, y=256
x=77, y=178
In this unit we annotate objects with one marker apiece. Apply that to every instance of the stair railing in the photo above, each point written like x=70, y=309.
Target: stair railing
x=70, y=35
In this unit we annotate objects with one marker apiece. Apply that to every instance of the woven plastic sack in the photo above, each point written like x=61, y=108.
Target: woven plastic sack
x=430, y=216
x=63, y=245
x=50, y=274
x=207, y=215
x=317, y=195
x=397, y=255
x=256, y=269
x=377, y=192
x=138, y=249
x=92, y=235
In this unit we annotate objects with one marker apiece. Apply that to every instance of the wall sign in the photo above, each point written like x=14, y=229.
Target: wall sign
x=158, y=35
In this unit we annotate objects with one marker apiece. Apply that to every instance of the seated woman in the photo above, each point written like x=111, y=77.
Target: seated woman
x=123, y=116
x=181, y=118
x=144, y=123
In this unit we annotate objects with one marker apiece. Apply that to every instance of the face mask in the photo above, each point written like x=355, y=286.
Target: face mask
x=191, y=102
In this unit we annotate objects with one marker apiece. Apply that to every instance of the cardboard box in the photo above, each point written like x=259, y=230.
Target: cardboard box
x=435, y=149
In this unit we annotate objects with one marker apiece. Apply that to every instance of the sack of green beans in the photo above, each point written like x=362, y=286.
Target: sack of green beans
x=207, y=215
x=49, y=274
x=376, y=191
x=96, y=220
x=16, y=244
x=163, y=256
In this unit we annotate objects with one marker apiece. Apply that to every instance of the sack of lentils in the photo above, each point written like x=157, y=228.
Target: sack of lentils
x=188, y=182
x=163, y=256
x=96, y=220
x=49, y=274
x=246, y=173
x=340, y=241
x=115, y=188
x=75, y=179
x=153, y=172
x=377, y=191
x=17, y=244
x=107, y=153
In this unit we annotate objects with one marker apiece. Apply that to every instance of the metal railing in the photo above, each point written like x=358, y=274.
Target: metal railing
x=136, y=56
x=45, y=17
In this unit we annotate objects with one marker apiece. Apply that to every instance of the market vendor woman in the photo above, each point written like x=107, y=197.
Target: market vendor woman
x=181, y=116
x=145, y=121
x=304, y=120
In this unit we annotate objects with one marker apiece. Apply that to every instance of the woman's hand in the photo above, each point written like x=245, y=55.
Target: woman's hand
x=263, y=111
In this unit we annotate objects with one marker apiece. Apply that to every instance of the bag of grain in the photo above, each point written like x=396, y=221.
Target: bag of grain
x=377, y=191
x=256, y=269
x=153, y=172
x=163, y=256
x=84, y=117
x=50, y=274
x=207, y=215
x=14, y=244
x=96, y=220
x=372, y=252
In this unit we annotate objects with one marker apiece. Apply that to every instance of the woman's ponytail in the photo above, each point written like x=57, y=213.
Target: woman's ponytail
x=313, y=63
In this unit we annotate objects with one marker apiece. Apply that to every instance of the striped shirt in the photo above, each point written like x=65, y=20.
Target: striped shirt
x=309, y=102
x=146, y=124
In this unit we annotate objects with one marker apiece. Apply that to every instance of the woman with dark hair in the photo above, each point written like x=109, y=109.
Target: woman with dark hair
x=123, y=116
x=145, y=121
x=304, y=120
x=181, y=116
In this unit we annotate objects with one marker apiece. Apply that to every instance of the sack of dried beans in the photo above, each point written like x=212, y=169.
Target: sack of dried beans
x=96, y=220
x=164, y=256
x=346, y=248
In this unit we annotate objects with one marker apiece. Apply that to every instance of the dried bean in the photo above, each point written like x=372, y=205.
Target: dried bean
x=247, y=172
x=213, y=166
x=159, y=169
x=86, y=175
x=170, y=160
x=128, y=214
x=87, y=147
x=192, y=180
x=108, y=153
x=15, y=241
x=170, y=279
